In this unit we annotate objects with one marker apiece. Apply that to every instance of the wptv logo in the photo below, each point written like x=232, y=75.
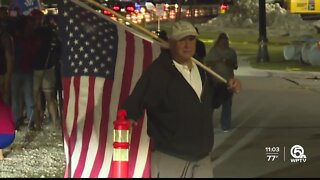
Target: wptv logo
x=297, y=152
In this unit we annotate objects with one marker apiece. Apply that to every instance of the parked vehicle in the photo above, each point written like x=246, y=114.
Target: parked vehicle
x=308, y=9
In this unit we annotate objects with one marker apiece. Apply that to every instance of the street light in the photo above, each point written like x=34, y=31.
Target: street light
x=263, y=55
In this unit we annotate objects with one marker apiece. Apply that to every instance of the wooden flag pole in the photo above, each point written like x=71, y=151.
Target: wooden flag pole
x=165, y=43
x=210, y=71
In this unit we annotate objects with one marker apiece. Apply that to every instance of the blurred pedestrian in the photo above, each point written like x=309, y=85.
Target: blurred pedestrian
x=223, y=60
x=4, y=17
x=44, y=68
x=22, y=77
x=6, y=21
x=6, y=61
x=178, y=97
x=7, y=132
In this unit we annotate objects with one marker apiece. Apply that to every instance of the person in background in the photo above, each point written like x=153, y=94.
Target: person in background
x=6, y=63
x=4, y=18
x=178, y=97
x=7, y=21
x=223, y=60
x=22, y=77
x=44, y=69
x=52, y=24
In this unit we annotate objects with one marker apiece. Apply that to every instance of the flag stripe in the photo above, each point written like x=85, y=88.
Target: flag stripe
x=138, y=158
x=147, y=166
x=138, y=62
x=74, y=97
x=87, y=125
x=144, y=153
x=115, y=96
x=144, y=144
x=97, y=93
x=137, y=70
x=96, y=167
x=66, y=89
x=128, y=68
x=148, y=54
x=82, y=104
x=73, y=116
x=135, y=160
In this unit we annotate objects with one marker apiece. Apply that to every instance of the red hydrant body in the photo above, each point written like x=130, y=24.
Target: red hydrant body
x=121, y=146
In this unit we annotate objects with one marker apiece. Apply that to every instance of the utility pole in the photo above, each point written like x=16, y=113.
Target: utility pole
x=263, y=55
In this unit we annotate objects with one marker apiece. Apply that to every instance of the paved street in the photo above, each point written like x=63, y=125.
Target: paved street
x=276, y=110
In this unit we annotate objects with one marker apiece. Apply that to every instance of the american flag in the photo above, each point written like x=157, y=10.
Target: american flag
x=102, y=61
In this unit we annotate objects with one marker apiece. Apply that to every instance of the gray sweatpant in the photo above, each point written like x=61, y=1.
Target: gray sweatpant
x=167, y=166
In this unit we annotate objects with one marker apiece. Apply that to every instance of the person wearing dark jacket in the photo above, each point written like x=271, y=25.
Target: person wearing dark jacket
x=178, y=97
x=223, y=60
x=44, y=70
x=6, y=61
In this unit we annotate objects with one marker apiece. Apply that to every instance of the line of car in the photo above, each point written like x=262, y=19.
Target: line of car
x=147, y=11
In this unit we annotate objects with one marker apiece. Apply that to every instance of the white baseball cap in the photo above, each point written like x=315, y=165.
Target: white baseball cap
x=182, y=29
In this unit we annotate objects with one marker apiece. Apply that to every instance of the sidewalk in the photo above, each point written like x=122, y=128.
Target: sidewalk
x=245, y=69
x=305, y=79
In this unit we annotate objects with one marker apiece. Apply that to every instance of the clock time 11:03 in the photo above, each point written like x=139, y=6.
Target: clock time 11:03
x=274, y=149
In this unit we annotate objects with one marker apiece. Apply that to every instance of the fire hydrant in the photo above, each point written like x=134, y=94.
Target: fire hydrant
x=121, y=144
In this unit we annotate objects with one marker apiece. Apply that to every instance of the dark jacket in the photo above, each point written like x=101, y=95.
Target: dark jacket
x=4, y=38
x=179, y=123
x=49, y=51
x=2, y=57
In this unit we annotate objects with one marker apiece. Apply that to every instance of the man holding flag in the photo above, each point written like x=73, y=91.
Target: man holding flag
x=179, y=98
